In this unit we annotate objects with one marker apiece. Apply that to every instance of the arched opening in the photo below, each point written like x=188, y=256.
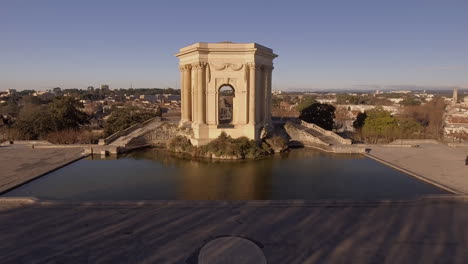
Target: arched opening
x=225, y=104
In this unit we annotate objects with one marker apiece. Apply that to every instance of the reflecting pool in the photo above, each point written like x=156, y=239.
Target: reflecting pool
x=154, y=174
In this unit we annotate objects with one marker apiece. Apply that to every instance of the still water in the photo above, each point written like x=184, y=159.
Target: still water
x=153, y=174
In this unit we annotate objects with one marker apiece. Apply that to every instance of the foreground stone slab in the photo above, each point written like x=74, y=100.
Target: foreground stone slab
x=429, y=230
x=22, y=163
x=434, y=162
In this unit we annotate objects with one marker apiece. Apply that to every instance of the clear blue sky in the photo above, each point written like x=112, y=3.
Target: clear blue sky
x=321, y=44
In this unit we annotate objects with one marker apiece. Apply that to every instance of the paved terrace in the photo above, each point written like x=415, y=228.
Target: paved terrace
x=22, y=163
x=429, y=230
x=434, y=162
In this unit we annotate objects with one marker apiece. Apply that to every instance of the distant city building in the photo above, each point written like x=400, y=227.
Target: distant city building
x=277, y=92
x=130, y=97
x=395, y=100
x=400, y=92
x=149, y=98
x=172, y=98
x=326, y=100
x=363, y=108
x=455, y=95
x=46, y=95
x=456, y=119
x=11, y=91
x=90, y=88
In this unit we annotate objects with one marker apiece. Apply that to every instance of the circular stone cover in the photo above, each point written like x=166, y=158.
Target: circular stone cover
x=231, y=250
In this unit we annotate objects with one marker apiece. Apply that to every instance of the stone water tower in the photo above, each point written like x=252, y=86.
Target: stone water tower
x=225, y=87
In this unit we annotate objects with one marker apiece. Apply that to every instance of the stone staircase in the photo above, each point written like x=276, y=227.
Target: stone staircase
x=327, y=139
x=311, y=135
x=131, y=140
x=324, y=135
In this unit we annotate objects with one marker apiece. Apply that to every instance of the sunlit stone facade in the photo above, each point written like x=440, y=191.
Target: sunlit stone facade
x=206, y=68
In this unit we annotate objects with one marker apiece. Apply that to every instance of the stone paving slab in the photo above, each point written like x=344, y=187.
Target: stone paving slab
x=429, y=230
x=437, y=163
x=22, y=163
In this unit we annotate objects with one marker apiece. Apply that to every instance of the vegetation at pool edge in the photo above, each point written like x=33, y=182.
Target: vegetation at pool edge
x=228, y=148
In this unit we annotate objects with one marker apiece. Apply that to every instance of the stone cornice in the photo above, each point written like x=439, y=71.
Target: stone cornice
x=230, y=48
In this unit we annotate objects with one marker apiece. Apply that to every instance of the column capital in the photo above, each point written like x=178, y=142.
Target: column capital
x=199, y=65
x=185, y=67
x=268, y=67
x=255, y=66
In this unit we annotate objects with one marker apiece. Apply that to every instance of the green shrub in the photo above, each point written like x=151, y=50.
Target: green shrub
x=319, y=114
x=180, y=144
x=36, y=121
x=71, y=136
x=224, y=145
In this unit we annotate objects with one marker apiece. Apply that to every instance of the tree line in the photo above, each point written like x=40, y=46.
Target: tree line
x=61, y=120
x=378, y=125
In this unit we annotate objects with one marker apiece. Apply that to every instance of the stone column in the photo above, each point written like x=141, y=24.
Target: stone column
x=201, y=93
x=268, y=70
x=183, y=104
x=259, y=94
x=262, y=95
x=252, y=120
x=187, y=93
x=194, y=98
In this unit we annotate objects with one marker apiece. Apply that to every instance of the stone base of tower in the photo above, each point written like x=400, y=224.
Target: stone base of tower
x=185, y=124
x=203, y=133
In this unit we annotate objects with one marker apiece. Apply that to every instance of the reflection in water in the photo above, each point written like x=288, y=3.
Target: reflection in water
x=215, y=180
x=247, y=181
x=156, y=174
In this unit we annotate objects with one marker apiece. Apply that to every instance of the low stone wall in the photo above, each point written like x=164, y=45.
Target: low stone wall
x=344, y=149
x=348, y=149
x=96, y=149
x=454, y=145
x=399, y=146
x=52, y=146
x=27, y=142
x=414, y=141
